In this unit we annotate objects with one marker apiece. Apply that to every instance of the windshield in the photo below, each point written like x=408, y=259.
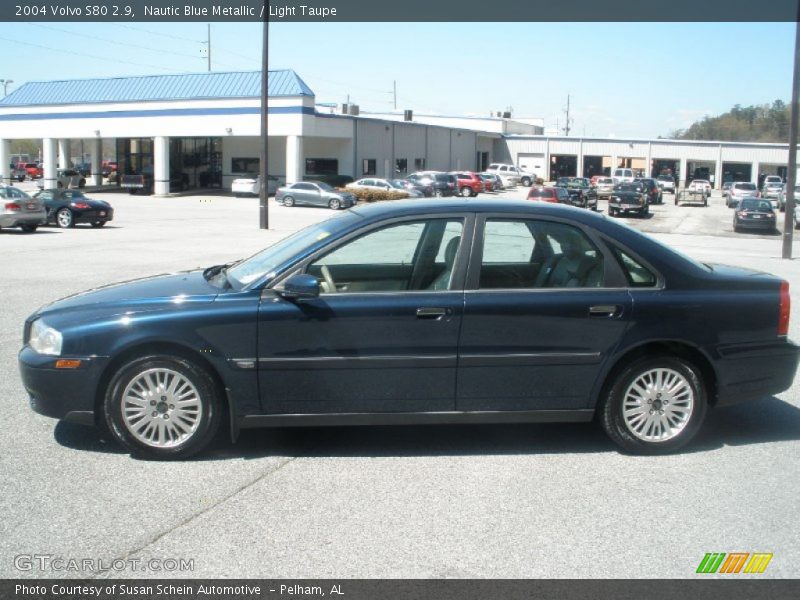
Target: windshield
x=265, y=263
x=324, y=186
x=748, y=204
x=745, y=186
x=628, y=187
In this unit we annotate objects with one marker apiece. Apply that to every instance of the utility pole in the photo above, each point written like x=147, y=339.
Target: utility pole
x=566, y=125
x=394, y=92
x=263, y=192
x=6, y=83
x=791, y=176
x=208, y=41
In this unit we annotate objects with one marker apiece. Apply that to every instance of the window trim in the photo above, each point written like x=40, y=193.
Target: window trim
x=459, y=269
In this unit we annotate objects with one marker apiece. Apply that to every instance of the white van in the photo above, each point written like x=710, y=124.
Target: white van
x=623, y=175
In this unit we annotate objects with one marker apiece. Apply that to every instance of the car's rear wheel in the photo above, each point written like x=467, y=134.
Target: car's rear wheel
x=334, y=204
x=526, y=181
x=65, y=218
x=439, y=193
x=162, y=407
x=654, y=406
x=29, y=228
x=466, y=192
x=288, y=201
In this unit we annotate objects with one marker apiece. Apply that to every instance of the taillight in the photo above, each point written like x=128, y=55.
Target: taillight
x=13, y=206
x=784, y=310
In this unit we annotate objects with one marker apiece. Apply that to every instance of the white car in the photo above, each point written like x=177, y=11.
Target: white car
x=605, y=187
x=250, y=185
x=782, y=198
x=666, y=183
x=700, y=185
x=511, y=175
x=66, y=179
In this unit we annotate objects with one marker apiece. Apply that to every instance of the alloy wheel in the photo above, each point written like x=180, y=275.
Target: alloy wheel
x=658, y=405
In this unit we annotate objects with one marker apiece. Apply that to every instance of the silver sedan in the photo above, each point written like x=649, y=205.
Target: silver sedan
x=314, y=193
x=18, y=209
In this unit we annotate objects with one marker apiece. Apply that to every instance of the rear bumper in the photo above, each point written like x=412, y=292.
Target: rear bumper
x=59, y=393
x=31, y=218
x=753, y=371
x=766, y=224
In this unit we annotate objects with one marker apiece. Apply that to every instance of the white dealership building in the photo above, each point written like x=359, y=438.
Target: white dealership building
x=204, y=128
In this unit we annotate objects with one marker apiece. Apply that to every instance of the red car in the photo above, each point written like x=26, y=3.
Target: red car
x=469, y=183
x=34, y=171
x=556, y=195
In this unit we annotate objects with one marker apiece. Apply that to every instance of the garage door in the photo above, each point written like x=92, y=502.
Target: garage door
x=533, y=163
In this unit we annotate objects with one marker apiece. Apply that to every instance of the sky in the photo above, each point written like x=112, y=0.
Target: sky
x=623, y=79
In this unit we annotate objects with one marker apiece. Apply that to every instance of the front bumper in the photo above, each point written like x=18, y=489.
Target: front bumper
x=60, y=393
x=93, y=216
x=637, y=208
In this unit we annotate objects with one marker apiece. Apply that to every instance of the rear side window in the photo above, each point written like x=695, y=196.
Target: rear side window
x=637, y=274
x=541, y=194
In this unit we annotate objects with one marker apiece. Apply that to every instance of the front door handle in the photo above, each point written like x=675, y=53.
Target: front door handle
x=432, y=313
x=605, y=310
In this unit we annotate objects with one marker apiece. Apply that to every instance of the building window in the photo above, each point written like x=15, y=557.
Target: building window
x=369, y=166
x=401, y=166
x=245, y=165
x=322, y=166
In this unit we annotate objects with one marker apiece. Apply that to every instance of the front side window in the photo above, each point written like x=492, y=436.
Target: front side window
x=411, y=256
x=528, y=254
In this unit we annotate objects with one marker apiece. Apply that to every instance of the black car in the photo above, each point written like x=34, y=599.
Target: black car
x=581, y=191
x=754, y=213
x=442, y=184
x=85, y=169
x=652, y=189
x=67, y=208
x=418, y=312
x=628, y=197
x=425, y=189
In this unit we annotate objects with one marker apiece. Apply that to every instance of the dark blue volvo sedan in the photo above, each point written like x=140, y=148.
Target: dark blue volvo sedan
x=419, y=311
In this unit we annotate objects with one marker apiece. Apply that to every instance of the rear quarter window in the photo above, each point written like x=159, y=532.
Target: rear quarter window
x=636, y=274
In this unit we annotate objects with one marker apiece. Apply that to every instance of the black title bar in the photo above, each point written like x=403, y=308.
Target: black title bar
x=221, y=11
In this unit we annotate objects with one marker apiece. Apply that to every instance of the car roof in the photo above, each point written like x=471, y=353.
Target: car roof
x=399, y=208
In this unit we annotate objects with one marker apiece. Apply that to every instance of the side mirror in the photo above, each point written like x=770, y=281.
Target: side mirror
x=300, y=287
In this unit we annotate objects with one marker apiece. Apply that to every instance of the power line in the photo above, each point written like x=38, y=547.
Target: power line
x=104, y=58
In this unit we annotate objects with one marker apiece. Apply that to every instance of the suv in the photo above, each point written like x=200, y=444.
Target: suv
x=468, y=183
x=739, y=190
x=652, y=189
x=556, y=195
x=623, y=176
x=511, y=175
x=772, y=187
x=580, y=190
x=443, y=184
x=34, y=170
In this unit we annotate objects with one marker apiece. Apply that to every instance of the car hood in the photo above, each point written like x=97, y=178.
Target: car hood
x=140, y=294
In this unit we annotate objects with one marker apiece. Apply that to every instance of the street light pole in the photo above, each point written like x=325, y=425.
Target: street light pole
x=791, y=176
x=263, y=193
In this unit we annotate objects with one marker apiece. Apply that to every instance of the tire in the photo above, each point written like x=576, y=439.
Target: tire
x=99, y=223
x=29, y=228
x=82, y=183
x=466, y=192
x=64, y=218
x=526, y=181
x=637, y=433
x=146, y=382
x=288, y=201
x=334, y=204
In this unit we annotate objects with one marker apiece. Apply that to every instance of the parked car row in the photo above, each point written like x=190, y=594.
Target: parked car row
x=61, y=207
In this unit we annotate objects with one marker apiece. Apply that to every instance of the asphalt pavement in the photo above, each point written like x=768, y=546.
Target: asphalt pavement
x=435, y=501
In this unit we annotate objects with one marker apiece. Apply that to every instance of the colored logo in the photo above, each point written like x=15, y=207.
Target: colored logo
x=734, y=562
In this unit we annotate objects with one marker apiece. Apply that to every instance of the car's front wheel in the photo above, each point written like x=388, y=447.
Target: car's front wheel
x=654, y=406
x=334, y=204
x=466, y=192
x=162, y=407
x=288, y=201
x=64, y=218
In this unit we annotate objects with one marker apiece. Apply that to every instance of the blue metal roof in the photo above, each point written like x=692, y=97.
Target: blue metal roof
x=240, y=84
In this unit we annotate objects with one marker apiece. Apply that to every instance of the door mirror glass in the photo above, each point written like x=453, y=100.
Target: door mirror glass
x=301, y=287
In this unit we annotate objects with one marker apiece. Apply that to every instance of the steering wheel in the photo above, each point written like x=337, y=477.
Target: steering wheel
x=328, y=279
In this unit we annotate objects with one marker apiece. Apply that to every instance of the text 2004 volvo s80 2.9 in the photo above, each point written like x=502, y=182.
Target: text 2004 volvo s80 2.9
x=419, y=312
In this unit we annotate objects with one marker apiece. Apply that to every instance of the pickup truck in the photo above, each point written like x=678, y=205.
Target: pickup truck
x=143, y=182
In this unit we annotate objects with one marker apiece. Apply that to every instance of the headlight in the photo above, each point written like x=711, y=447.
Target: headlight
x=44, y=339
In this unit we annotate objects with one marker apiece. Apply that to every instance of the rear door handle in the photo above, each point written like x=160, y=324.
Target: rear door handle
x=432, y=313
x=605, y=310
